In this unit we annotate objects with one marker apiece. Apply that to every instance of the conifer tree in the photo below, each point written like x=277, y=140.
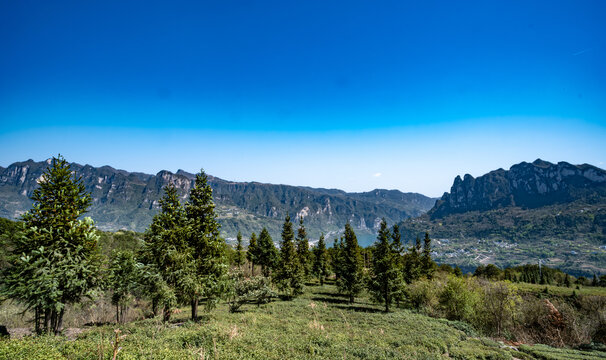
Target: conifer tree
x=303, y=253
x=251, y=253
x=289, y=278
x=54, y=260
x=320, y=263
x=207, y=248
x=123, y=281
x=385, y=283
x=412, y=262
x=428, y=266
x=350, y=281
x=166, y=254
x=337, y=258
x=239, y=260
x=267, y=254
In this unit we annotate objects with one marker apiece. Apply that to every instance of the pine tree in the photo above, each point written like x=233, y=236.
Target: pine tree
x=54, y=260
x=351, y=265
x=303, y=254
x=320, y=263
x=411, y=263
x=251, y=253
x=385, y=283
x=123, y=281
x=289, y=278
x=239, y=260
x=428, y=266
x=166, y=254
x=267, y=254
x=208, y=249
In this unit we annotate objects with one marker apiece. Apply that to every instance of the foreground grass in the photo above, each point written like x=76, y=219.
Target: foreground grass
x=319, y=325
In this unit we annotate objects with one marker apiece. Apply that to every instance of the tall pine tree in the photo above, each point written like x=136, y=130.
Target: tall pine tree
x=428, y=266
x=54, y=260
x=166, y=254
x=267, y=254
x=289, y=278
x=320, y=260
x=239, y=259
x=251, y=253
x=303, y=254
x=208, y=248
x=351, y=265
x=385, y=283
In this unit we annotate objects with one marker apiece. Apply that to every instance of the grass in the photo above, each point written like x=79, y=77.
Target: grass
x=318, y=325
x=561, y=290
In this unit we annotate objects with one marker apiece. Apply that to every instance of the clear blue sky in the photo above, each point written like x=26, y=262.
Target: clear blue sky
x=343, y=94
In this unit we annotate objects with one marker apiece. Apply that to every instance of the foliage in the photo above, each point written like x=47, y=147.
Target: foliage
x=320, y=267
x=251, y=252
x=303, y=254
x=289, y=277
x=266, y=253
x=459, y=299
x=123, y=281
x=239, y=258
x=385, y=281
x=350, y=265
x=54, y=261
x=206, y=247
x=168, y=265
x=241, y=290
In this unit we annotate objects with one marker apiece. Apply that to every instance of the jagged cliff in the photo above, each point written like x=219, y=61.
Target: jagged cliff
x=124, y=200
x=528, y=185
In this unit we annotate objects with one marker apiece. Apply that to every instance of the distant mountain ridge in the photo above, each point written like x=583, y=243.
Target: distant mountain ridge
x=129, y=200
x=528, y=185
x=539, y=210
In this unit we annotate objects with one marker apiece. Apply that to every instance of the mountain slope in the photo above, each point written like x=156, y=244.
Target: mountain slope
x=124, y=200
x=539, y=210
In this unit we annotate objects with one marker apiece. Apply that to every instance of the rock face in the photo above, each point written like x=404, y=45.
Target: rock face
x=527, y=185
x=125, y=200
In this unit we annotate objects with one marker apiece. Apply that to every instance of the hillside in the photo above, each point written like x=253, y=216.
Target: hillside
x=539, y=210
x=124, y=200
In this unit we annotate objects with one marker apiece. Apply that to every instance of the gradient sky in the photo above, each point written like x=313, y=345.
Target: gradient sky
x=354, y=95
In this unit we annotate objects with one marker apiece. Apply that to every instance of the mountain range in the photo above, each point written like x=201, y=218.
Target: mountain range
x=129, y=200
x=539, y=210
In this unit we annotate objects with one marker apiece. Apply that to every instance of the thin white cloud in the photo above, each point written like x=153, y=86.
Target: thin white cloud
x=581, y=52
x=377, y=175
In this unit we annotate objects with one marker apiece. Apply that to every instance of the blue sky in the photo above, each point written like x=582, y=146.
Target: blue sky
x=354, y=95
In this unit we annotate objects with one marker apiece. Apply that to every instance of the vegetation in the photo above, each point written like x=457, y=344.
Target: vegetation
x=54, y=266
x=54, y=261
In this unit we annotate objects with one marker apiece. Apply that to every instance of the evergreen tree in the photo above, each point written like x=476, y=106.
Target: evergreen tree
x=207, y=248
x=567, y=281
x=54, y=260
x=267, y=254
x=303, y=254
x=351, y=265
x=123, y=281
x=595, y=281
x=166, y=256
x=385, y=283
x=239, y=259
x=428, y=266
x=251, y=253
x=320, y=264
x=336, y=260
x=457, y=271
x=411, y=266
x=289, y=278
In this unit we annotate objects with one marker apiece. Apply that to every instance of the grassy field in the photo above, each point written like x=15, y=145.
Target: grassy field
x=318, y=325
x=560, y=290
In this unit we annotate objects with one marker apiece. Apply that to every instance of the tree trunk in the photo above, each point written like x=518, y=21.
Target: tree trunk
x=59, y=324
x=194, y=309
x=166, y=317
x=47, y=316
x=117, y=314
x=37, y=320
x=155, y=307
